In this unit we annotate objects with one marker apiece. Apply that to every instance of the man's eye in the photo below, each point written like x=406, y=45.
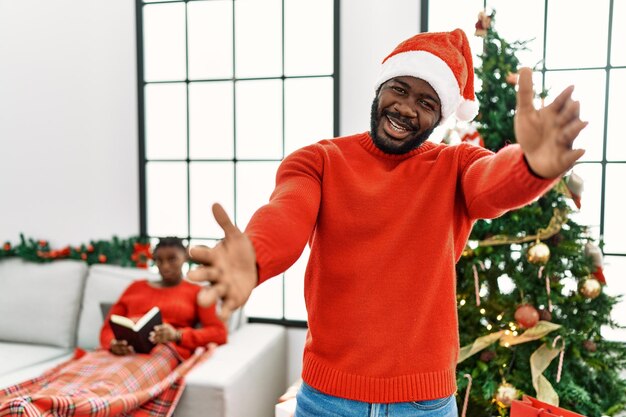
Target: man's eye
x=399, y=89
x=427, y=104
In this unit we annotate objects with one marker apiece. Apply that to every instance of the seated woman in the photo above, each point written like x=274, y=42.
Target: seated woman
x=175, y=298
x=115, y=380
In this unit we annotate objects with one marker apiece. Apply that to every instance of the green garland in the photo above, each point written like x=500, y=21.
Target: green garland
x=132, y=252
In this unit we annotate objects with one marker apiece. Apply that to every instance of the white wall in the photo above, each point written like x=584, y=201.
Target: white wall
x=68, y=120
x=370, y=30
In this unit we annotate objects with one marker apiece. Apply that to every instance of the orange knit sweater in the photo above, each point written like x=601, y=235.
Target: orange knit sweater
x=385, y=233
x=178, y=307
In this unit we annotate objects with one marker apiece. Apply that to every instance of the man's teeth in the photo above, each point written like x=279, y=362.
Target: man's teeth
x=395, y=126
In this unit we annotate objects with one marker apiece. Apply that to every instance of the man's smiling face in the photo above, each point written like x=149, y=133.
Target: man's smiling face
x=404, y=113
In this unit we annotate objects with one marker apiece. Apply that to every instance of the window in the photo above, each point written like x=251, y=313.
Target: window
x=566, y=50
x=227, y=89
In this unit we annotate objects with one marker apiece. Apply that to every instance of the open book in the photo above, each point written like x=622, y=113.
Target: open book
x=136, y=334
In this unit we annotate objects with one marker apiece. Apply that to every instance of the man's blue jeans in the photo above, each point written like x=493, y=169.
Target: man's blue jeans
x=313, y=403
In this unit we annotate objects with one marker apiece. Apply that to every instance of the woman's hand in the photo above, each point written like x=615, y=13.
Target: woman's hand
x=164, y=333
x=121, y=348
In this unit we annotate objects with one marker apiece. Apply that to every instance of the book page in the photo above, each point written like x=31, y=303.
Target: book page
x=145, y=319
x=122, y=321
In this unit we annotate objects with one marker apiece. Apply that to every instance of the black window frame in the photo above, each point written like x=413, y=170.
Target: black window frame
x=143, y=160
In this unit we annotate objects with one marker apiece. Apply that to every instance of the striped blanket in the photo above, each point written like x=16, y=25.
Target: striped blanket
x=99, y=384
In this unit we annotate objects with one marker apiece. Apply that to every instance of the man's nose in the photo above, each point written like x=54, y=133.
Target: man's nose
x=406, y=109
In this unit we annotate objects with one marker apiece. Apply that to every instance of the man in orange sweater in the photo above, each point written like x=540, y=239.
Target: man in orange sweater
x=387, y=215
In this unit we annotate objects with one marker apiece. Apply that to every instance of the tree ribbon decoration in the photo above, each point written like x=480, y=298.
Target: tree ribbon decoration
x=539, y=362
x=538, y=331
x=559, y=218
x=478, y=345
x=507, y=338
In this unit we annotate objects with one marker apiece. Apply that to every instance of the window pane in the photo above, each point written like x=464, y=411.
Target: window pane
x=259, y=119
x=255, y=183
x=266, y=300
x=166, y=194
x=210, y=27
x=258, y=37
x=590, y=90
x=205, y=242
x=618, y=40
x=166, y=121
x=589, y=214
x=295, y=308
x=515, y=23
x=614, y=209
x=211, y=120
x=308, y=37
x=568, y=45
x=445, y=15
x=614, y=271
x=307, y=100
x=164, y=42
x=211, y=182
x=616, y=145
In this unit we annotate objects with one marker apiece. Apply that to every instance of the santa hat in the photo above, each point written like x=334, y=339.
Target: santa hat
x=443, y=60
x=595, y=254
x=575, y=187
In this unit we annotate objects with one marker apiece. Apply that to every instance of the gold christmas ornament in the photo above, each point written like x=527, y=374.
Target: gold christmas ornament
x=538, y=254
x=505, y=395
x=591, y=288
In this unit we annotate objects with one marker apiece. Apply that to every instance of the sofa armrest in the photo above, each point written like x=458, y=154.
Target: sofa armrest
x=244, y=377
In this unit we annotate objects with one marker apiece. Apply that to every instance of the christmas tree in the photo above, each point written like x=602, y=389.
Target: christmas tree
x=530, y=284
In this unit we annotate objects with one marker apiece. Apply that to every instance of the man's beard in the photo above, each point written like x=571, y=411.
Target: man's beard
x=389, y=146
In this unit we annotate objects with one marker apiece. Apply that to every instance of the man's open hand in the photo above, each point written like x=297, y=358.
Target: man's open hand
x=547, y=135
x=230, y=267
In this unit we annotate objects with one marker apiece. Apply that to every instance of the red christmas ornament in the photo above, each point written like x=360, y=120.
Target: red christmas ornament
x=526, y=316
x=7, y=246
x=141, y=254
x=83, y=256
x=102, y=258
x=90, y=248
x=43, y=243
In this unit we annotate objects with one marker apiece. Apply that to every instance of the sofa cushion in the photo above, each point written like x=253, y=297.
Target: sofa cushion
x=16, y=356
x=30, y=372
x=39, y=303
x=105, y=284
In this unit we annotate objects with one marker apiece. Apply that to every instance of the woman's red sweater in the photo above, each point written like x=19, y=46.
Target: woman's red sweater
x=178, y=307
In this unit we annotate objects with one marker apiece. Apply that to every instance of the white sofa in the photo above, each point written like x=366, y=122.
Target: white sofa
x=48, y=309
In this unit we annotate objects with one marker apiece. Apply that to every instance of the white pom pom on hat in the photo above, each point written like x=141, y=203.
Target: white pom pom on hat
x=442, y=59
